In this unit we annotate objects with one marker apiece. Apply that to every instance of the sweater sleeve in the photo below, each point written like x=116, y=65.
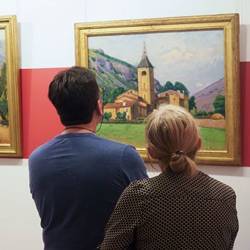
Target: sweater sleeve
x=234, y=222
x=120, y=230
x=132, y=165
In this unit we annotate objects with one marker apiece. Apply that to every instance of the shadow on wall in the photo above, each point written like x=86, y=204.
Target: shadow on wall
x=243, y=42
x=225, y=170
x=11, y=162
x=210, y=170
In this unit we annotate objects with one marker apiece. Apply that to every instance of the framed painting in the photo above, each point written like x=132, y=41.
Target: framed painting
x=192, y=62
x=10, y=128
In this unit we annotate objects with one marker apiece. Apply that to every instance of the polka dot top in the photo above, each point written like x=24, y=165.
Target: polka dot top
x=174, y=212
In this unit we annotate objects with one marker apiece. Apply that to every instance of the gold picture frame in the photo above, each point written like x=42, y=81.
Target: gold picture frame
x=226, y=25
x=10, y=121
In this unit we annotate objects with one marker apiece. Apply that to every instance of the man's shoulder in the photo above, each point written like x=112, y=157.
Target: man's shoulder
x=103, y=146
x=125, y=156
x=114, y=148
x=42, y=149
x=112, y=145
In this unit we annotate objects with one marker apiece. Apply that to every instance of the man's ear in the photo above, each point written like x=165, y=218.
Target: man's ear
x=99, y=107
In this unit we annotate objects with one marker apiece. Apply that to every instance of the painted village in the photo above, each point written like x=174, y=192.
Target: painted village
x=130, y=93
x=137, y=104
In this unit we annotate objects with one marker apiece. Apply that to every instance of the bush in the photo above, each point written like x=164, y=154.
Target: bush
x=107, y=116
x=217, y=116
x=121, y=116
x=219, y=104
x=137, y=121
x=201, y=114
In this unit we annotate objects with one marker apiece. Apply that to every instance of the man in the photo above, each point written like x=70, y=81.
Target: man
x=77, y=177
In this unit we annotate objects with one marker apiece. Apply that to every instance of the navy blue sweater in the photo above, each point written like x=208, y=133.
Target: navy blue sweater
x=75, y=181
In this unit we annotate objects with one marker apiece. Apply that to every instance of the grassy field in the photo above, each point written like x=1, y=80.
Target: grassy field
x=212, y=138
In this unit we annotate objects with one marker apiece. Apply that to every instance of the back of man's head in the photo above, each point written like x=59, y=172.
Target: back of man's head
x=74, y=93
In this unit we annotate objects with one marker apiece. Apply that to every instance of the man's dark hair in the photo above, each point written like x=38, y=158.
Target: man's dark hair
x=74, y=93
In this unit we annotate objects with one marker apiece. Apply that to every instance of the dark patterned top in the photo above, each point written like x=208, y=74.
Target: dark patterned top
x=174, y=212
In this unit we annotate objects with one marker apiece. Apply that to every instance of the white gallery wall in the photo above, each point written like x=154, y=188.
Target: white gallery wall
x=46, y=31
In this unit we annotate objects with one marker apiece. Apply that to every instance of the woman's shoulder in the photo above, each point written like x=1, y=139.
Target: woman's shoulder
x=215, y=189
x=146, y=187
x=202, y=186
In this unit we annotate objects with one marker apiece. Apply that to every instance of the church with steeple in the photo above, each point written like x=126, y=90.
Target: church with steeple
x=145, y=76
x=137, y=104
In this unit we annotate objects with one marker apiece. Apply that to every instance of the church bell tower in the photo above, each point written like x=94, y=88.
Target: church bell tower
x=145, y=76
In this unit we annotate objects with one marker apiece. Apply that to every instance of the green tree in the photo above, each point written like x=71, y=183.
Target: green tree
x=104, y=94
x=3, y=81
x=107, y=116
x=116, y=92
x=219, y=104
x=3, y=95
x=176, y=86
x=192, y=104
x=109, y=95
x=168, y=86
x=180, y=86
x=118, y=116
x=124, y=116
x=121, y=116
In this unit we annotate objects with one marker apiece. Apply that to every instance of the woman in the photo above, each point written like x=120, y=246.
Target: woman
x=182, y=208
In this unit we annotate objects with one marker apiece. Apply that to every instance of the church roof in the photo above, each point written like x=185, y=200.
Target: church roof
x=127, y=99
x=124, y=104
x=112, y=105
x=129, y=93
x=170, y=92
x=145, y=63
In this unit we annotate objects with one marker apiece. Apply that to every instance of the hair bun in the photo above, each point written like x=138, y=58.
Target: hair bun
x=175, y=156
x=178, y=161
x=169, y=130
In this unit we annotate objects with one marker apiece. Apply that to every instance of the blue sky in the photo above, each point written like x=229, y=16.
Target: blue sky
x=195, y=58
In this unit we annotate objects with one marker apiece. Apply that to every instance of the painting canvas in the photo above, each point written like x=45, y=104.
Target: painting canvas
x=142, y=71
x=4, y=121
x=10, y=145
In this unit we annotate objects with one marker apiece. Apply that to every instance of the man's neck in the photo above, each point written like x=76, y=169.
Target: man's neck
x=84, y=127
x=80, y=128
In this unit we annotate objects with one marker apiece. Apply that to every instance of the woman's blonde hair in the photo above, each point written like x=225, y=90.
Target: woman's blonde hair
x=173, y=137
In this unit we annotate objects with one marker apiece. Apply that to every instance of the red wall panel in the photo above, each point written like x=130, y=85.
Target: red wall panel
x=245, y=114
x=40, y=121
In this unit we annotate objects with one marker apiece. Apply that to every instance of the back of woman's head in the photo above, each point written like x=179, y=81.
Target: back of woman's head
x=173, y=138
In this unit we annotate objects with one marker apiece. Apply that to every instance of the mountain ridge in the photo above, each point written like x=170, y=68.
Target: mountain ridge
x=204, y=98
x=112, y=72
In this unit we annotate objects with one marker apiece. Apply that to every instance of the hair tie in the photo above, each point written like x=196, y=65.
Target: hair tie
x=176, y=155
x=179, y=152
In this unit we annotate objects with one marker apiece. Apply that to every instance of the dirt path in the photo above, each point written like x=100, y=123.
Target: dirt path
x=209, y=123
